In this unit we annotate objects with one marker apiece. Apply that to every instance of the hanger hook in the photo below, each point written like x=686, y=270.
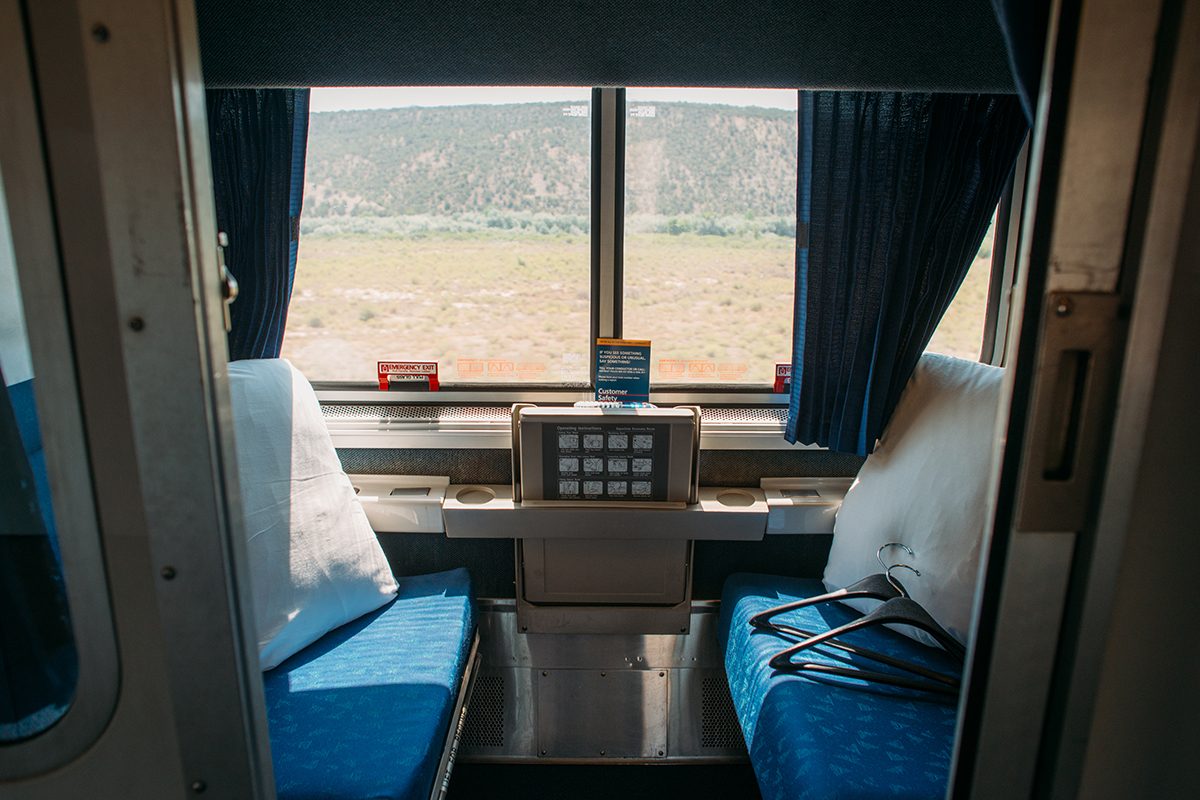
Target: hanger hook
x=895, y=583
x=882, y=547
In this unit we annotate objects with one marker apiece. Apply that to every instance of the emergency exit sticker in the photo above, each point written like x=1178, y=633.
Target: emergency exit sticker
x=783, y=378
x=408, y=375
x=623, y=370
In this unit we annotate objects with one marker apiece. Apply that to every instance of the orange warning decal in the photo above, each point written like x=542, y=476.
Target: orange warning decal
x=732, y=370
x=497, y=368
x=470, y=367
x=672, y=367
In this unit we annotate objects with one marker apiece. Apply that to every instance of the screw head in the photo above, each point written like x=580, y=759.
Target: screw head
x=136, y=323
x=168, y=573
x=1063, y=307
x=100, y=34
x=199, y=786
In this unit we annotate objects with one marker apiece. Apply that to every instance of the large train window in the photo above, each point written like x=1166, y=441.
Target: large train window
x=454, y=224
x=449, y=225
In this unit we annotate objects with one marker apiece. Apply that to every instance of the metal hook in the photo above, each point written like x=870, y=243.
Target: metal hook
x=882, y=547
x=895, y=583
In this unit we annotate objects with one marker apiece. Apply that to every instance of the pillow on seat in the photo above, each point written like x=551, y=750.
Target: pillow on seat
x=926, y=485
x=315, y=563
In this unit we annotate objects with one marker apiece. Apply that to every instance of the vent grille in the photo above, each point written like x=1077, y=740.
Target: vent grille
x=776, y=415
x=460, y=466
x=719, y=728
x=403, y=412
x=416, y=413
x=485, y=718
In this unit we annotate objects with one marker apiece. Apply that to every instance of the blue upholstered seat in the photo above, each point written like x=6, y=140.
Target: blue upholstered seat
x=810, y=738
x=25, y=409
x=364, y=711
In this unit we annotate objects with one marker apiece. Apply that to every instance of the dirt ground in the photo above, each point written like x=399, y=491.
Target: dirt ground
x=508, y=308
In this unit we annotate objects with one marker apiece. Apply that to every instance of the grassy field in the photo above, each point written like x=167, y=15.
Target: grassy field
x=960, y=333
x=497, y=306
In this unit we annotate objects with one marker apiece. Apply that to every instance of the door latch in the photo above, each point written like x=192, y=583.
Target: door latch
x=229, y=284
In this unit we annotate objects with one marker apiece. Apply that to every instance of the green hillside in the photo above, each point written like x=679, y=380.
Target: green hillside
x=534, y=159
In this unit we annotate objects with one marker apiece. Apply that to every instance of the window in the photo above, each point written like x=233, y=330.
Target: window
x=710, y=231
x=456, y=225
x=960, y=333
x=38, y=660
x=449, y=225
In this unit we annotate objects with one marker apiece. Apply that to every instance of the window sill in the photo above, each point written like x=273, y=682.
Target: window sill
x=362, y=420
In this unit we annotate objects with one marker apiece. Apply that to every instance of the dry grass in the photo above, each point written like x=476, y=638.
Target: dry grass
x=494, y=306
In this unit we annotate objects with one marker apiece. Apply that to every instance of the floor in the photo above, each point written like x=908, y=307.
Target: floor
x=627, y=782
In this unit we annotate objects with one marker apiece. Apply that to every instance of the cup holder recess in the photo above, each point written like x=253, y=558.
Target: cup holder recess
x=735, y=498
x=475, y=495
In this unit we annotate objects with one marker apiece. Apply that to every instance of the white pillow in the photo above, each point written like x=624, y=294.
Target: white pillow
x=927, y=485
x=315, y=563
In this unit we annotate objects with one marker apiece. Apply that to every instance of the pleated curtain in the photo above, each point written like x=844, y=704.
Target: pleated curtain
x=257, y=144
x=895, y=193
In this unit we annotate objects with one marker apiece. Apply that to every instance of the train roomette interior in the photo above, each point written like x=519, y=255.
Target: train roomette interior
x=599, y=399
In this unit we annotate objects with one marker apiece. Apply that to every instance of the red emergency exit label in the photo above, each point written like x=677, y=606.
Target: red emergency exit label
x=783, y=378
x=404, y=374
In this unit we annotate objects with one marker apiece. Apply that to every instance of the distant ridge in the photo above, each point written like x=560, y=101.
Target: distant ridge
x=687, y=159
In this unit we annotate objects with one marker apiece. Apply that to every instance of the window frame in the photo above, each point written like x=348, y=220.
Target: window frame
x=30, y=207
x=1005, y=251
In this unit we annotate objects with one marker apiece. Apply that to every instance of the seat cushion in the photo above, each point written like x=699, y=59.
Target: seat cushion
x=809, y=737
x=364, y=711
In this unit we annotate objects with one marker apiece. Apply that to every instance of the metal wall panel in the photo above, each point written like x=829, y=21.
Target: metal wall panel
x=1095, y=126
x=546, y=692
x=588, y=713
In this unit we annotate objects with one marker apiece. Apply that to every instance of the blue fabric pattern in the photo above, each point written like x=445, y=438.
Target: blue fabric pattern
x=828, y=738
x=364, y=711
x=895, y=192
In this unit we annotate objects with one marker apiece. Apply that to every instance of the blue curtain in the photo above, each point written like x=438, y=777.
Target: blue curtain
x=257, y=140
x=895, y=193
x=1023, y=25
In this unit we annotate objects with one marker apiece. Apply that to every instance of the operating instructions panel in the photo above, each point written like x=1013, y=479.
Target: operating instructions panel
x=610, y=461
x=575, y=455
